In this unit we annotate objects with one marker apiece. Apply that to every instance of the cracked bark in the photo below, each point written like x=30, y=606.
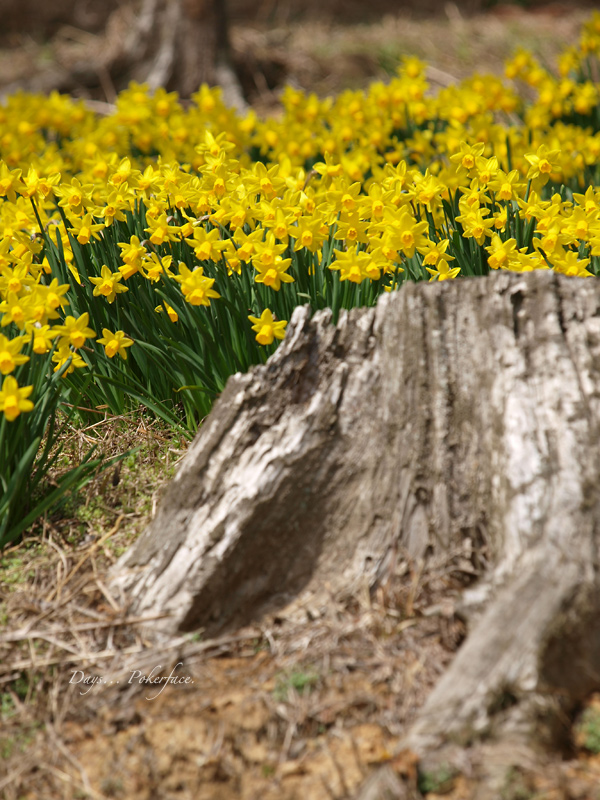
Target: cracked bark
x=461, y=413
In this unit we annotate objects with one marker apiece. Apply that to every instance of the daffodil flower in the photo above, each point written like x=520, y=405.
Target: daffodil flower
x=115, y=343
x=267, y=328
x=13, y=400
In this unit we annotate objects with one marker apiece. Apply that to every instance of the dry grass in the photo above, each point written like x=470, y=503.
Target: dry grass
x=305, y=703
x=313, y=696
x=329, y=57
x=352, y=672
x=56, y=612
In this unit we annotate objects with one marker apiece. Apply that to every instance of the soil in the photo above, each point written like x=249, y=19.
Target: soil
x=304, y=704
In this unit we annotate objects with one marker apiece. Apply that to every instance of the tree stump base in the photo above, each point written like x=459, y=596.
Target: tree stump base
x=461, y=416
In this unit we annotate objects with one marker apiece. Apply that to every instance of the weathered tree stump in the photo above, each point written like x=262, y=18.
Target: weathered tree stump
x=459, y=414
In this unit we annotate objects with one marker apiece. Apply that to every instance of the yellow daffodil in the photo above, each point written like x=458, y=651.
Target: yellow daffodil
x=161, y=231
x=442, y=271
x=64, y=354
x=132, y=253
x=266, y=328
x=10, y=353
x=171, y=313
x=542, y=164
x=500, y=252
x=108, y=284
x=207, y=245
x=74, y=332
x=115, y=343
x=17, y=309
x=273, y=274
x=84, y=228
x=355, y=265
x=196, y=286
x=13, y=400
x=42, y=336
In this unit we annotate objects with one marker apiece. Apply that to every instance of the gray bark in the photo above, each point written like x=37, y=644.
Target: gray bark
x=177, y=44
x=458, y=416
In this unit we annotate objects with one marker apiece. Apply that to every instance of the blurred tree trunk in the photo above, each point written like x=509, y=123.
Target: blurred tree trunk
x=176, y=44
x=179, y=44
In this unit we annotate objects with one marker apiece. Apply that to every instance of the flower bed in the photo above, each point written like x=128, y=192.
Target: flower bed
x=148, y=255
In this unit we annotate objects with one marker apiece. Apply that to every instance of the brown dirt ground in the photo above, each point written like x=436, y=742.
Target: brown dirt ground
x=303, y=704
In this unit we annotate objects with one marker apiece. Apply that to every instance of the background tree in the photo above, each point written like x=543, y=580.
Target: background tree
x=176, y=44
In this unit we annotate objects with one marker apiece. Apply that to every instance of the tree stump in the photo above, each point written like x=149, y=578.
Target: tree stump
x=462, y=415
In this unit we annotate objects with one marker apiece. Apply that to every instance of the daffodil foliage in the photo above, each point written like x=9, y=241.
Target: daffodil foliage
x=147, y=255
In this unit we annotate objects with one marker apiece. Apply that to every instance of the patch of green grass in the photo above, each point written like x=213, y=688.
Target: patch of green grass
x=126, y=493
x=112, y=787
x=515, y=786
x=89, y=514
x=589, y=730
x=7, y=706
x=388, y=57
x=13, y=565
x=19, y=741
x=21, y=688
x=10, y=566
x=300, y=681
x=437, y=780
x=149, y=462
